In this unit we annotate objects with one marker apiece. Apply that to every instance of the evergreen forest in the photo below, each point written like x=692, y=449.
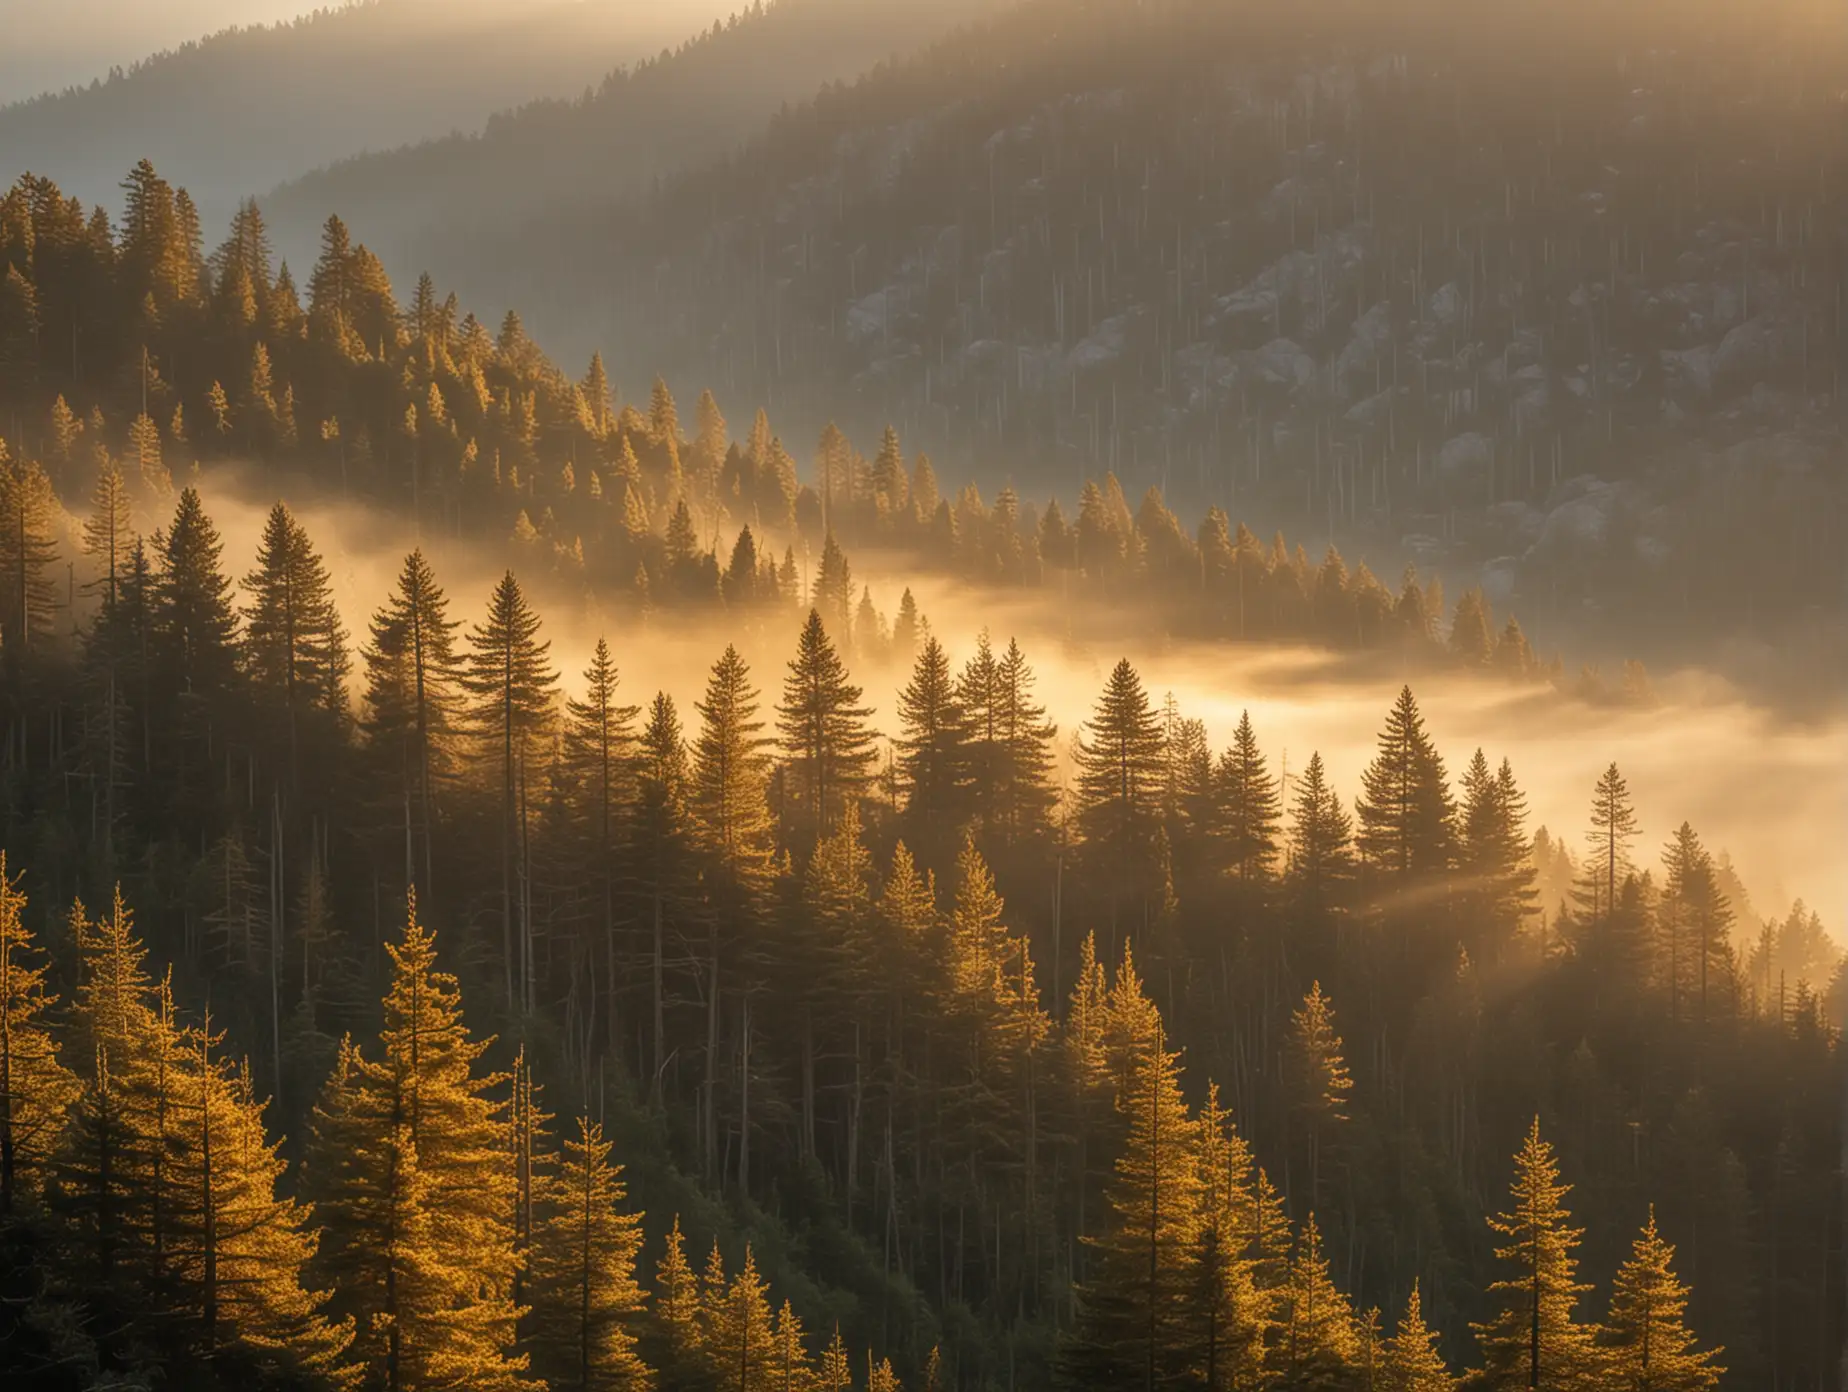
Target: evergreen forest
x=387, y=1003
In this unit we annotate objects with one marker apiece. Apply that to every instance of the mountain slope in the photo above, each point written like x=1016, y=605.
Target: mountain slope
x=424, y=204
x=240, y=111
x=1496, y=290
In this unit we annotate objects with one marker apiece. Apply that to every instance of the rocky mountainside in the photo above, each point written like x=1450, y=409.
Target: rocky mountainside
x=1537, y=297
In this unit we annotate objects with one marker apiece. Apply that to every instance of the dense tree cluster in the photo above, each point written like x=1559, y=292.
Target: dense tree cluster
x=890, y=1005
x=127, y=348
x=858, y=989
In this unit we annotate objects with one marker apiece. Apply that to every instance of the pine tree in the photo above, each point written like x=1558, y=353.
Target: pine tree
x=1119, y=786
x=1317, y=1345
x=36, y=1089
x=1246, y=809
x=511, y=678
x=412, y=700
x=245, y=1251
x=585, y=1299
x=1318, y=1077
x=600, y=745
x=1494, y=855
x=1131, y=1329
x=407, y=1167
x=1697, y=922
x=29, y=525
x=1320, y=849
x=193, y=621
x=108, y=532
x=932, y=757
x=144, y=450
x=1613, y=828
x=1412, y=1362
x=740, y=1341
x=294, y=646
x=824, y=736
x=1645, y=1341
x=728, y=792
x=680, y=1336
x=1018, y=795
x=1534, y=1341
x=1406, y=809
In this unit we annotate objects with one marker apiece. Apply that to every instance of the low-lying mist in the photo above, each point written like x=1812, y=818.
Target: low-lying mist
x=1758, y=786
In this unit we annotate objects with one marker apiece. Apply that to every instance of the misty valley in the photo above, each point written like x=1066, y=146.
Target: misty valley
x=931, y=735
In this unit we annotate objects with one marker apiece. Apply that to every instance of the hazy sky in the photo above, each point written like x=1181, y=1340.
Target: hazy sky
x=53, y=43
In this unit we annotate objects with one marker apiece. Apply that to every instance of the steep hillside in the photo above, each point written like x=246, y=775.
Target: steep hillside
x=1492, y=291
x=435, y=202
x=238, y=112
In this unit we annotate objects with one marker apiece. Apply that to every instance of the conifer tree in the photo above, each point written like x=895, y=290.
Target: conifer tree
x=824, y=736
x=1019, y=794
x=1246, y=808
x=680, y=1335
x=1317, y=1344
x=662, y=838
x=29, y=516
x=1613, y=828
x=36, y=1089
x=1493, y=852
x=1405, y=810
x=1411, y=1361
x=1119, y=785
x=1320, y=849
x=108, y=532
x=245, y=1251
x=408, y=1168
x=600, y=744
x=584, y=1294
x=193, y=621
x=412, y=700
x=1318, y=1078
x=511, y=678
x=1131, y=1329
x=1645, y=1341
x=932, y=759
x=740, y=1341
x=294, y=646
x=1534, y=1340
x=727, y=794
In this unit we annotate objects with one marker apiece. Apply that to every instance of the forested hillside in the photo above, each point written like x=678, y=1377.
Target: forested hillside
x=641, y=122
x=383, y=1006
x=240, y=111
x=1523, y=289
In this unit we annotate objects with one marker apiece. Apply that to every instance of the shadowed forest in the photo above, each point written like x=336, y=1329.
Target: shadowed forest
x=382, y=1005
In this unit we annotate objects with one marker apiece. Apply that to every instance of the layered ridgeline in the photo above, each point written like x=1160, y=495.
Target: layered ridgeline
x=239, y=112
x=922, y=1029
x=1537, y=289
x=131, y=348
x=580, y=151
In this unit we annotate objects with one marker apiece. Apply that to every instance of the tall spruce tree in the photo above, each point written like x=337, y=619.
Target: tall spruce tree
x=413, y=705
x=407, y=1165
x=585, y=1299
x=1613, y=828
x=294, y=647
x=825, y=738
x=511, y=677
x=1645, y=1341
x=932, y=753
x=36, y=1089
x=1534, y=1340
x=1119, y=790
x=1406, y=809
x=1132, y=1331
